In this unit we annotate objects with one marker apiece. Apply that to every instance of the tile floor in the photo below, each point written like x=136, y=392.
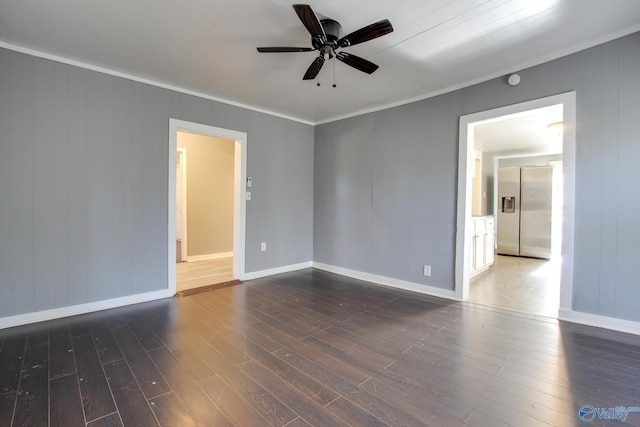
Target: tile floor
x=520, y=284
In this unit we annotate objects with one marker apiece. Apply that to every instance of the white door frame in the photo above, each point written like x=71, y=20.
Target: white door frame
x=183, y=241
x=239, y=193
x=466, y=158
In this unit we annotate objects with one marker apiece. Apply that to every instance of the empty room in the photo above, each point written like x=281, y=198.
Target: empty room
x=258, y=213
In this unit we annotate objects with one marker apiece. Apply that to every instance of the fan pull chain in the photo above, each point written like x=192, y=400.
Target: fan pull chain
x=334, y=73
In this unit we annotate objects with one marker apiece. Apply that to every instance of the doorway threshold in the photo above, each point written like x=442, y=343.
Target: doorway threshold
x=201, y=289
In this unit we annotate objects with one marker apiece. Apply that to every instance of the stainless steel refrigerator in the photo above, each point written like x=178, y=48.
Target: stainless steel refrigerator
x=524, y=211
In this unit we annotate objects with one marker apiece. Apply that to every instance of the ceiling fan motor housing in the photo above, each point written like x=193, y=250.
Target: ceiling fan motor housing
x=333, y=32
x=332, y=29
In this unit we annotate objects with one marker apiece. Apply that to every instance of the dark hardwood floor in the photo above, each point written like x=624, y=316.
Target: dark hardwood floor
x=313, y=348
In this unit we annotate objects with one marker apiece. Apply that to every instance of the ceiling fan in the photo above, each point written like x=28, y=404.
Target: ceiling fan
x=326, y=37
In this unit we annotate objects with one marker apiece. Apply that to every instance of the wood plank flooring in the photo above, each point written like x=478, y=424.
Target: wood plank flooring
x=198, y=274
x=310, y=348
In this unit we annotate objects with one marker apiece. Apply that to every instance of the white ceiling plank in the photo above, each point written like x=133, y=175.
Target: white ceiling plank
x=209, y=46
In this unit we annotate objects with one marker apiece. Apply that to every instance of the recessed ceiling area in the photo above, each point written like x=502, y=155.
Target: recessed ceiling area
x=530, y=133
x=208, y=47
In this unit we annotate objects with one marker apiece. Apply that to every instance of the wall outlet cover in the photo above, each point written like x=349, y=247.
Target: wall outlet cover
x=426, y=270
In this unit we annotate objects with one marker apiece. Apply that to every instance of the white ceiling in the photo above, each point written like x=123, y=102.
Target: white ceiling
x=208, y=47
x=522, y=134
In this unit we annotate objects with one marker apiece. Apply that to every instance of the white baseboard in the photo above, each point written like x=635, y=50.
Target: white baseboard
x=389, y=281
x=270, y=272
x=57, y=313
x=598, y=321
x=207, y=257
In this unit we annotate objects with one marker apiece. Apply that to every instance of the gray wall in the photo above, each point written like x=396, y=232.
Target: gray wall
x=385, y=182
x=83, y=184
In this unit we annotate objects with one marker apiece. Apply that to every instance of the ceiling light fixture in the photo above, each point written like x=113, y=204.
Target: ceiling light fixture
x=556, y=128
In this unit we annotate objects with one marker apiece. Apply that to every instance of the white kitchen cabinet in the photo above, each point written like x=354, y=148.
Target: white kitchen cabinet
x=490, y=241
x=482, y=244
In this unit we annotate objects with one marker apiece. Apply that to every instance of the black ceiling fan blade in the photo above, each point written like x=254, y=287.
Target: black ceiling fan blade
x=309, y=19
x=314, y=68
x=278, y=49
x=357, y=62
x=367, y=33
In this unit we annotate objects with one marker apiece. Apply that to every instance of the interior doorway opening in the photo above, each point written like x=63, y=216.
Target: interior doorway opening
x=220, y=215
x=465, y=256
x=525, y=278
x=204, y=212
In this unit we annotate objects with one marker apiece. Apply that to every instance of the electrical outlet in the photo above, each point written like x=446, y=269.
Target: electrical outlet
x=426, y=270
x=263, y=246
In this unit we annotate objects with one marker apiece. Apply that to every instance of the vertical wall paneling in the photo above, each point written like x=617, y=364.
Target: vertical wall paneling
x=100, y=196
x=627, y=288
x=21, y=197
x=43, y=182
x=609, y=182
x=77, y=186
x=5, y=183
x=137, y=191
x=589, y=188
x=368, y=166
x=154, y=159
x=123, y=182
x=59, y=141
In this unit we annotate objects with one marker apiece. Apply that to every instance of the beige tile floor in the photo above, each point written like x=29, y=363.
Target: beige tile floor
x=190, y=275
x=520, y=284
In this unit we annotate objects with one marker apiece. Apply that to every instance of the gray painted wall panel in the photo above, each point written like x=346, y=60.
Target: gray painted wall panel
x=77, y=186
x=155, y=158
x=588, y=178
x=609, y=183
x=43, y=184
x=5, y=183
x=378, y=207
x=280, y=161
x=60, y=279
x=21, y=197
x=351, y=161
x=123, y=178
x=84, y=169
x=100, y=201
x=627, y=281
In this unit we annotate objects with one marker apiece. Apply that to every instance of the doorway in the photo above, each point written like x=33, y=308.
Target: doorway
x=237, y=145
x=467, y=156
